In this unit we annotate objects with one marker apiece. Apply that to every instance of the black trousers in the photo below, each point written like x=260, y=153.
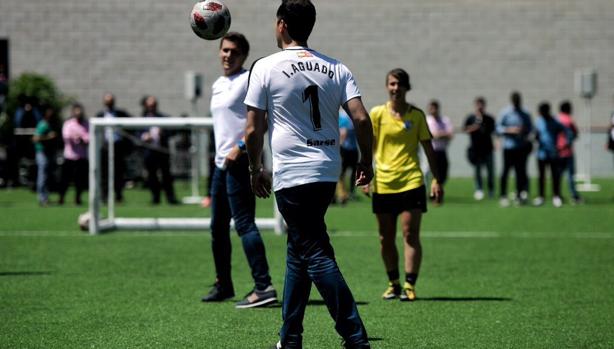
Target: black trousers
x=74, y=171
x=516, y=159
x=119, y=170
x=441, y=158
x=159, y=163
x=555, y=170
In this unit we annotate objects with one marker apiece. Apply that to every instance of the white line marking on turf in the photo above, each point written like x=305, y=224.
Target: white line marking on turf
x=341, y=234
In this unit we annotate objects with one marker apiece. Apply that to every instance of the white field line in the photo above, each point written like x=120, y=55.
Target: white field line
x=341, y=234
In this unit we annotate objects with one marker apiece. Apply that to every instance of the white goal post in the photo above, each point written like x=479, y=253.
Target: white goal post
x=98, y=224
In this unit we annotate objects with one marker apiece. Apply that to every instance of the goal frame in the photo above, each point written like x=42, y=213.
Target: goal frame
x=98, y=224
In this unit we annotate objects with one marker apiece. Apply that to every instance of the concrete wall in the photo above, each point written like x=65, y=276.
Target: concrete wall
x=453, y=49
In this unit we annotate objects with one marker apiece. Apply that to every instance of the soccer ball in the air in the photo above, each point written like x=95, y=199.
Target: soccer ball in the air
x=210, y=19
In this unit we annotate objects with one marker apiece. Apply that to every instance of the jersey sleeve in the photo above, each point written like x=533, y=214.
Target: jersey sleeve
x=256, y=89
x=424, y=134
x=350, y=88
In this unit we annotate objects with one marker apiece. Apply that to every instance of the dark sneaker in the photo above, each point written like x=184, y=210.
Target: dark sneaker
x=356, y=346
x=219, y=293
x=258, y=298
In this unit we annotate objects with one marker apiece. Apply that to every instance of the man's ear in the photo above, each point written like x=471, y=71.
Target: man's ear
x=281, y=25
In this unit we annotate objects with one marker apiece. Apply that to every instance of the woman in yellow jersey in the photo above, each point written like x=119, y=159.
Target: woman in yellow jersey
x=398, y=188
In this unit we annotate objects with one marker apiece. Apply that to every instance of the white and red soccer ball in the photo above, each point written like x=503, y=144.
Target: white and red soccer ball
x=210, y=19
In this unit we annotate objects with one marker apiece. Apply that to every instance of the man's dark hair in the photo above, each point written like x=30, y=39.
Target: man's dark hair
x=516, y=99
x=480, y=100
x=239, y=39
x=299, y=16
x=434, y=103
x=565, y=107
x=544, y=109
x=400, y=75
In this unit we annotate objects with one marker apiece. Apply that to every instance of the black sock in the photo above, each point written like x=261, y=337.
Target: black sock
x=393, y=275
x=411, y=278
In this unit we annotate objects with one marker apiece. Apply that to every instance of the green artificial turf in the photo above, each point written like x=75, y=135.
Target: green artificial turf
x=520, y=277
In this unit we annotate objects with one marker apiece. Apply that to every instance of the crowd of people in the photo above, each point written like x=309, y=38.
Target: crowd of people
x=517, y=134
x=59, y=149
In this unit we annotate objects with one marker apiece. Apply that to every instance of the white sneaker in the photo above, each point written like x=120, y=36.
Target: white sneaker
x=538, y=201
x=557, y=201
x=523, y=198
x=504, y=202
x=478, y=195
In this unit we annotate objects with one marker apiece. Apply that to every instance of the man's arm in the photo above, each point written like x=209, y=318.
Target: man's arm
x=254, y=140
x=364, y=135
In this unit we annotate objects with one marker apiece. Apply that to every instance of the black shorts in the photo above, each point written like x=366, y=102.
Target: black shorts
x=414, y=199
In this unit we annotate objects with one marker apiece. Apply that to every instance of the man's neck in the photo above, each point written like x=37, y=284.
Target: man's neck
x=294, y=43
x=228, y=73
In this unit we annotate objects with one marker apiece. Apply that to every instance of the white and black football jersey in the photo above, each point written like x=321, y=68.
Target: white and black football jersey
x=302, y=90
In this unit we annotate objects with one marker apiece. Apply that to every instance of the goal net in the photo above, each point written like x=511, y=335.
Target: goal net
x=98, y=223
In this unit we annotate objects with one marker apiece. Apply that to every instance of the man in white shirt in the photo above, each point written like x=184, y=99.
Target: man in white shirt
x=442, y=130
x=231, y=191
x=302, y=90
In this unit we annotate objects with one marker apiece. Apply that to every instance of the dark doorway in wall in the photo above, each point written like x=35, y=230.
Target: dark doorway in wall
x=4, y=59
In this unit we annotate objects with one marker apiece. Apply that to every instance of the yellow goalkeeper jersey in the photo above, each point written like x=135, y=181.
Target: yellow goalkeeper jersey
x=397, y=166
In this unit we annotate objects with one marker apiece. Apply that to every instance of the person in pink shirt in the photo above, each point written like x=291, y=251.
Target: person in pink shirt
x=75, y=133
x=565, y=148
x=442, y=131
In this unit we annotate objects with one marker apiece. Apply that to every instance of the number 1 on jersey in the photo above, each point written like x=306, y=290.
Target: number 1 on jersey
x=311, y=94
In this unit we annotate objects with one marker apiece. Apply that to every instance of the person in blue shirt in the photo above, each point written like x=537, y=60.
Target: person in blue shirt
x=349, y=157
x=515, y=127
x=548, y=130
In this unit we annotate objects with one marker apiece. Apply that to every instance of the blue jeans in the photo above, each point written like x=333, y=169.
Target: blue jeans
x=232, y=197
x=311, y=259
x=487, y=162
x=569, y=165
x=42, y=177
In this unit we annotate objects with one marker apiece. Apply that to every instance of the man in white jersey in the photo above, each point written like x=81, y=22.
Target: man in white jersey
x=302, y=90
x=231, y=192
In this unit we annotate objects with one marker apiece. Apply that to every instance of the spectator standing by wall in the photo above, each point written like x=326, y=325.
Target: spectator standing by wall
x=121, y=148
x=349, y=157
x=480, y=127
x=548, y=129
x=442, y=131
x=610, y=143
x=45, y=147
x=564, y=145
x=156, y=156
x=515, y=127
x=26, y=116
x=75, y=133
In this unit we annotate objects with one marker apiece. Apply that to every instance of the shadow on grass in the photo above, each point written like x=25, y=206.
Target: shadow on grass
x=464, y=299
x=313, y=302
x=24, y=273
